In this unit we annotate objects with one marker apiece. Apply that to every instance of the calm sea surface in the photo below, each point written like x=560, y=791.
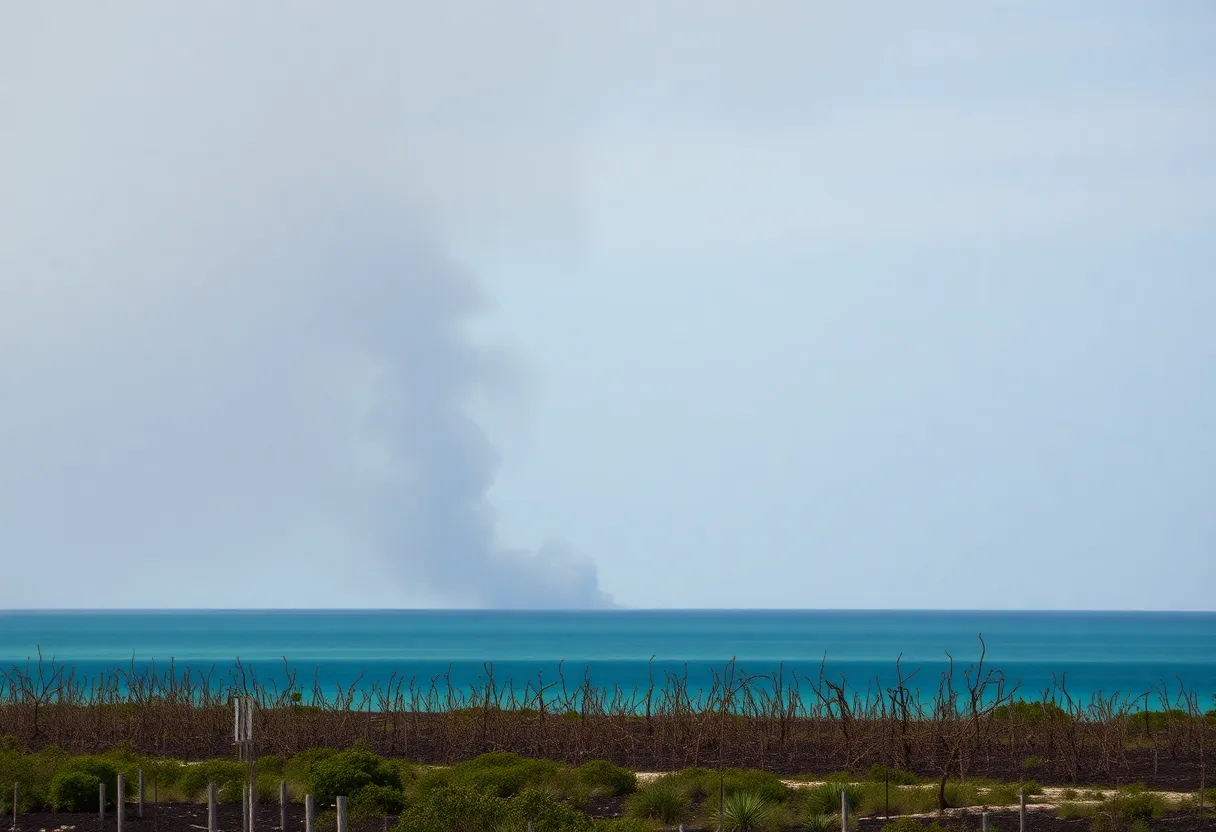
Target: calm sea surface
x=1124, y=653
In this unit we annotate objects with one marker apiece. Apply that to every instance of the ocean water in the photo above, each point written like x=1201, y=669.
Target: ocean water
x=1096, y=653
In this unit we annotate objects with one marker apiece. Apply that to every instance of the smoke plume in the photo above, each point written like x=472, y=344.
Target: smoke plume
x=235, y=361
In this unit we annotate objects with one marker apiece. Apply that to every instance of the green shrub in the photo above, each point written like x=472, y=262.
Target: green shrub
x=466, y=809
x=125, y=761
x=347, y=772
x=902, y=800
x=298, y=771
x=1068, y=794
x=271, y=764
x=544, y=812
x=696, y=783
x=95, y=766
x=456, y=808
x=229, y=776
x=1155, y=721
x=893, y=776
x=74, y=791
x=1006, y=794
x=703, y=783
x=1128, y=810
x=21, y=769
x=745, y=812
x=503, y=774
x=603, y=775
x=825, y=799
x=372, y=800
x=960, y=794
x=268, y=785
x=1031, y=713
x=1032, y=762
x=163, y=776
x=662, y=800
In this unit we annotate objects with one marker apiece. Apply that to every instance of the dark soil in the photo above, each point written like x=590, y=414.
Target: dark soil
x=188, y=817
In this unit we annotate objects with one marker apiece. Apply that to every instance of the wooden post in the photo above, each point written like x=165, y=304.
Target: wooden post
x=886, y=788
x=721, y=798
x=984, y=821
x=120, y=801
x=342, y=827
x=141, y=792
x=244, y=809
x=310, y=813
x=283, y=805
x=212, y=810
x=1021, y=810
x=14, y=807
x=101, y=805
x=844, y=810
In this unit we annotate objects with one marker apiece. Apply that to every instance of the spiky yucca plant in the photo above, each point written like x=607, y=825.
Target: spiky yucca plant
x=821, y=822
x=744, y=812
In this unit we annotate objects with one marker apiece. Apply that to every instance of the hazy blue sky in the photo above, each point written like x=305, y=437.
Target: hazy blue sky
x=674, y=303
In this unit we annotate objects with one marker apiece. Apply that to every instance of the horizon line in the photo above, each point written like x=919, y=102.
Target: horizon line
x=602, y=611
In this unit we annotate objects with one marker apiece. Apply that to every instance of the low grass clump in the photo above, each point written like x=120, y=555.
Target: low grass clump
x=701, y=793
x=1075, y=811
x=463, y=807
x=1006, y=794
x=663, y=800
x=1129, y=810
x=901, y=800
x=702, y=784
x=820, y=823
x=506, y=775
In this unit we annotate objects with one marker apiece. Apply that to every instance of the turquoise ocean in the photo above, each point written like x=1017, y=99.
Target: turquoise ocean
x=1108, y=653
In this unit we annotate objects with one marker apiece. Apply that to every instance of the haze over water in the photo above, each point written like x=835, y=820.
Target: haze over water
x=1108, y=652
